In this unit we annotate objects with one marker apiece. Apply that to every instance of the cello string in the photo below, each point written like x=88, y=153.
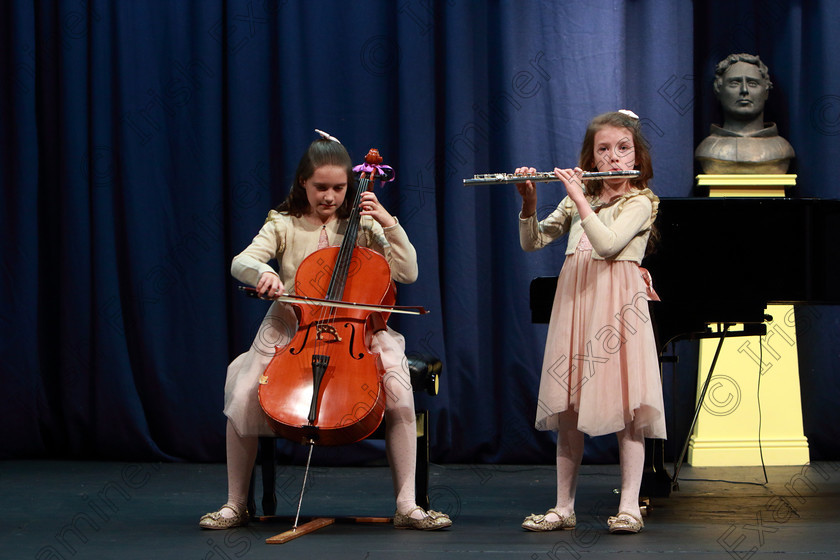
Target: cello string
x=337, y=284
x=328, y=313
x=345, y=255
x=342, y=265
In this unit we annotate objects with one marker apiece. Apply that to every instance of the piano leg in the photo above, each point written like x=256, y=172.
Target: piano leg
x=656, y=482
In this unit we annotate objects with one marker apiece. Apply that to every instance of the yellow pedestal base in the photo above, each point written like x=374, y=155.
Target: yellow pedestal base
x=746, y=184
x=726, y=453
x=752, y=410
x=752, y=406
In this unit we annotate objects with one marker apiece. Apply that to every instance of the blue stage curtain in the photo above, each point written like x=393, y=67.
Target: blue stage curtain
x=143, y=143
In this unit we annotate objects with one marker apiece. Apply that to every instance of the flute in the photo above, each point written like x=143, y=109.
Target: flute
x=542, y=177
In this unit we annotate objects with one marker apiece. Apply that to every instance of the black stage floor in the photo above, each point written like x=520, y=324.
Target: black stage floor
x=85, y=510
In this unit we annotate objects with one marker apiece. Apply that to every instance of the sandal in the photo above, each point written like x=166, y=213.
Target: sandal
x=215, y=520
x=535, y=522
x=625, y=523
x=432, y=521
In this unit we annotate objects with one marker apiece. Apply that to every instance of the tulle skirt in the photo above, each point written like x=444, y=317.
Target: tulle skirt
x=600, y=357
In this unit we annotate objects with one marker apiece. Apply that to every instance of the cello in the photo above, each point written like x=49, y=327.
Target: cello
x=325, y=386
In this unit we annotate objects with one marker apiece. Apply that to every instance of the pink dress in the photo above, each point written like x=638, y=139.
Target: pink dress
x=600, y=356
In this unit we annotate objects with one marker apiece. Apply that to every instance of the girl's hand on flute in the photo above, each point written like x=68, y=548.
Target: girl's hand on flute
x=528, y=192
x=572, y=180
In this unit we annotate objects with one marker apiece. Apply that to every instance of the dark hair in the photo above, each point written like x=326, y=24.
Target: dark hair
x=320, y=152
x=724, y=65
x=641, y=151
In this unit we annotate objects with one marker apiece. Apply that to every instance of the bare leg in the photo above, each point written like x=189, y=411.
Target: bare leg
x=631, y=450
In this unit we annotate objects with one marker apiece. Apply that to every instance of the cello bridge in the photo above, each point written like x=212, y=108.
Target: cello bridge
x=326, y=333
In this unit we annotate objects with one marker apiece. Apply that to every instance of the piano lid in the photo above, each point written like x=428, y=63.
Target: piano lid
x=767, y=250
x=725, y=259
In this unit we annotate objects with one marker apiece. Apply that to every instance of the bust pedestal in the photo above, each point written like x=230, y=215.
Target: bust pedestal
x=752, y=407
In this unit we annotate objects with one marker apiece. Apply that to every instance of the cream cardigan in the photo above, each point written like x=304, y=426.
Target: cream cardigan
x=290, y=240
x=618, y=231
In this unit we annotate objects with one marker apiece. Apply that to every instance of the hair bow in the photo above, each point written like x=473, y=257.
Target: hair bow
x=327, y=136
x=629, y=113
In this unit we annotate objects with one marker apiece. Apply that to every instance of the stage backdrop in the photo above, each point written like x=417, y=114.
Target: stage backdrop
x=143, y=142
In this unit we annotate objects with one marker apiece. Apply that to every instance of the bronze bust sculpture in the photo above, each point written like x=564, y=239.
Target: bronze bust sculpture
x=745, y=143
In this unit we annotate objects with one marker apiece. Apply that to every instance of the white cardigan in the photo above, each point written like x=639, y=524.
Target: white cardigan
x=290, y=240
x=617, y=231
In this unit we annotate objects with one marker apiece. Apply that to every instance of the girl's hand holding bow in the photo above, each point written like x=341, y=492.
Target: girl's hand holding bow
x=270, y=286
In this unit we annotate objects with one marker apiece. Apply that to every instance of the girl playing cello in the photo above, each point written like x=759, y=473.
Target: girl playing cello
x=312, y=217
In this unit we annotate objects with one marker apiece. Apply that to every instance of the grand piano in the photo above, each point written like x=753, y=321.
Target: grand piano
x=721, y=261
